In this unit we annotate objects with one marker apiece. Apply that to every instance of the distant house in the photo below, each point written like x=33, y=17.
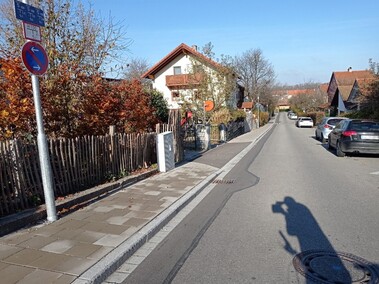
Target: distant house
x=247, y=106
x=176, y=78
x=341, y=86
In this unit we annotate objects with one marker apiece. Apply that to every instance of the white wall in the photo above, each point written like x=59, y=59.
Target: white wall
x=159, y=82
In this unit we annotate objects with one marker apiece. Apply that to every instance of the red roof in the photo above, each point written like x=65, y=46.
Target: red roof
x=347, y=78
x=345, y=81
x=300, y=92
x=248, y=105
x=324, y=88
x=181, y=49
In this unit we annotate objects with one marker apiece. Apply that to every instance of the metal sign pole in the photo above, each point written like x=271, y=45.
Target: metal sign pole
x=259, y=109
x=44, y=158
x=43, y=150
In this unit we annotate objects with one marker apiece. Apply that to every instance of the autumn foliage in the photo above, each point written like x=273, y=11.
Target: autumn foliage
x=73, y=104
x=16, y=100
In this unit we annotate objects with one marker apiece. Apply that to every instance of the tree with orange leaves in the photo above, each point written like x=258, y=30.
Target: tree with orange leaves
x=17, y=113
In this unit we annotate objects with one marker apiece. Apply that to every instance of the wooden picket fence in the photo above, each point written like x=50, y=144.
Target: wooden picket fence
x=77, y=164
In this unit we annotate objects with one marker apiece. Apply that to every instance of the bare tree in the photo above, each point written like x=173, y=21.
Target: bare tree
x=72, y=35
x=215, y=82
x=134, y=70
x=373, y=66
x=308, y=101
x=256, y=73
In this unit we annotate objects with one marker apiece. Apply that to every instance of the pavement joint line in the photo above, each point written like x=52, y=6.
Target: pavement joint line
x=120, y=254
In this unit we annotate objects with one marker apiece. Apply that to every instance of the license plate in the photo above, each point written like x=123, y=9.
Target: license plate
x=370, y=137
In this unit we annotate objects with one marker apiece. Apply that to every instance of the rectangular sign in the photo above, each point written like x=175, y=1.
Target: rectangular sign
x=29, y=14
x=32, y=32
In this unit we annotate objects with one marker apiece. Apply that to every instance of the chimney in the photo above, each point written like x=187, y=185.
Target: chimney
x=194, y=47
x=349, y=69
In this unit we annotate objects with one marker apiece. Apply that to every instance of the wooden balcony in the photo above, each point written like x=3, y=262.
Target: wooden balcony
x=183, y=80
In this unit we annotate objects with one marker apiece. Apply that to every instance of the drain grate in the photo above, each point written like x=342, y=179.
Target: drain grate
x=223, y=181
x=335, y=268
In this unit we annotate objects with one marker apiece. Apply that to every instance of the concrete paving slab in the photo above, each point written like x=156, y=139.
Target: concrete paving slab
x=59, y=246
x=74, y=265
x=89, y=237
x=83, y=250
x=37, y=242
x=25, y=257
x=110, y=240
x=15, y=273
x=40, y=276
x=8, y=250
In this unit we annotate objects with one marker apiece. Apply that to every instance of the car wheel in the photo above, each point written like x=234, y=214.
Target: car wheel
x=323, y=140
x=338, y=150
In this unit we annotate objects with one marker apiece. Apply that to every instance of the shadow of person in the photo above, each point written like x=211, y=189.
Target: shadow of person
x=301, y=224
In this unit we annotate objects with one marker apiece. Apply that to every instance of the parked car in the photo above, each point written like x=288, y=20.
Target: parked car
x=355, y=136
x=325, y=127
x=292, y=115
x=304, y=122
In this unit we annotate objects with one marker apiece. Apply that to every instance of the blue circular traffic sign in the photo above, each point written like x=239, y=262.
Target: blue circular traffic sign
x=35, y=58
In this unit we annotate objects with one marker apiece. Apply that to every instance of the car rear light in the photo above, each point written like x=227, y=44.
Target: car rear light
x=349, y=133
x=326, y=126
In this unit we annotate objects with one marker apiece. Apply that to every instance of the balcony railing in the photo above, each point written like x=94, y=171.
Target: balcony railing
x=183, y=80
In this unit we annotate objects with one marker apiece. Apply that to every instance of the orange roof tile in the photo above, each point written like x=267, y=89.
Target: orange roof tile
x=347, y=78
x=324, y=87
x=247, y=105
x=181, y=49
x=299, y=92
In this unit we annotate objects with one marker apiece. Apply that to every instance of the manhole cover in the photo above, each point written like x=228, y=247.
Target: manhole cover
x=335, y=267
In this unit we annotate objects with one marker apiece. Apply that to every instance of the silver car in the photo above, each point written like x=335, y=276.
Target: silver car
x=325, y=127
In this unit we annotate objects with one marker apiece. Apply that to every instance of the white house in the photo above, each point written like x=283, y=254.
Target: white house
x=174, y=75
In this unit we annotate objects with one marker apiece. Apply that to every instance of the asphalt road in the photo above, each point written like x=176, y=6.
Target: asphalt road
x=288, y=195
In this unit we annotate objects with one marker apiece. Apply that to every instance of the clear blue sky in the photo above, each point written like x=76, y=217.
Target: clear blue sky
x=305, y=40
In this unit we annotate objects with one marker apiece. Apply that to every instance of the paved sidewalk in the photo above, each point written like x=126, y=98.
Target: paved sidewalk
x=88, y=245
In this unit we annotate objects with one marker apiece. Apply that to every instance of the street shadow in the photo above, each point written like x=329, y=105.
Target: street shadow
x=301, y=223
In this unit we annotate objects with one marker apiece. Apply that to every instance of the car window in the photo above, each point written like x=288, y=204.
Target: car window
x=365, y=126
x=339, y=125
x=334, y=121
x=344, y=124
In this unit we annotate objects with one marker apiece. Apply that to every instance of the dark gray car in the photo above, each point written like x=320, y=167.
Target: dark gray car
x=355, y=136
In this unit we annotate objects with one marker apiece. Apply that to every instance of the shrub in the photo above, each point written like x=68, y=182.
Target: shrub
x=238, y=115
x=263, y=117
x=221, y=116
x=316, y=116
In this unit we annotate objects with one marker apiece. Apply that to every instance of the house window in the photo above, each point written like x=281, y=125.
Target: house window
x=177, y=70
x=175, y=95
